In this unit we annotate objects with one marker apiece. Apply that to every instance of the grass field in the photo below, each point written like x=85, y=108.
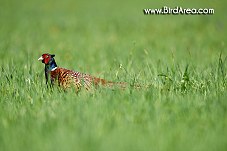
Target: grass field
x=182, y=57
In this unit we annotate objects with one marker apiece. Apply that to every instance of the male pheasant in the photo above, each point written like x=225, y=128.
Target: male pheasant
x=66, y=78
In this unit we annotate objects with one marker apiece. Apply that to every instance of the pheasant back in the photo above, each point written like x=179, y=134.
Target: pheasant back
x=68, y=78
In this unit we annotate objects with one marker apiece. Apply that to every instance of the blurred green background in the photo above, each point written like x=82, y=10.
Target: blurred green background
x=79, y=29
x=97, y=37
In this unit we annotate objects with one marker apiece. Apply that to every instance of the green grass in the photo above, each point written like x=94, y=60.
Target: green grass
x=182, y=57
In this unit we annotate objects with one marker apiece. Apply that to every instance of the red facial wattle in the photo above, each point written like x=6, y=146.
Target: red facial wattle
x=45, y=58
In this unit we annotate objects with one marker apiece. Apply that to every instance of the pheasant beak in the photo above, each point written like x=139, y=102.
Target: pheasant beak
x=40, y=59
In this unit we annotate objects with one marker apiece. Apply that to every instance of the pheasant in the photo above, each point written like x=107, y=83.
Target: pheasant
x=66, y=78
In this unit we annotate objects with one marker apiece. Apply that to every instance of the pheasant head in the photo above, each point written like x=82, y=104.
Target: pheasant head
x=48, y=60
x=50, y=64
